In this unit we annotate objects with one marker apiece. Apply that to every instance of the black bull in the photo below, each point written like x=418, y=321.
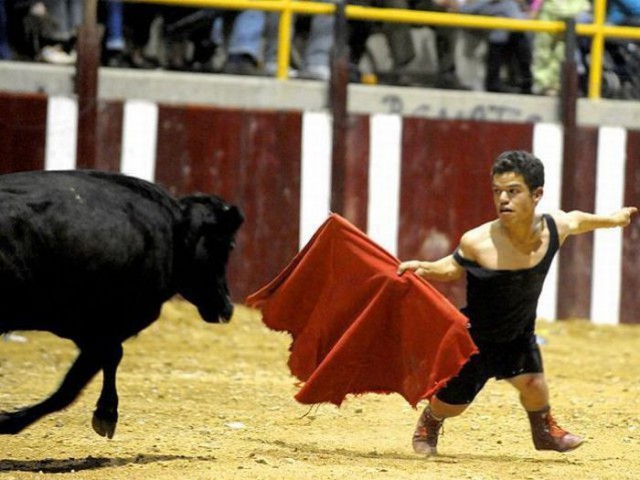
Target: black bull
x=91, y=257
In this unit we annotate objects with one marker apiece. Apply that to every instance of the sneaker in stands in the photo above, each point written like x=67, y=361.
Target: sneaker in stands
x=271, y=70
x=240, y=64
x=56, y=55
x=316, y=72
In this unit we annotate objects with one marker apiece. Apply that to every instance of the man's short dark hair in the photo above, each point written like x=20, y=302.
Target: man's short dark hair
x=523, y=163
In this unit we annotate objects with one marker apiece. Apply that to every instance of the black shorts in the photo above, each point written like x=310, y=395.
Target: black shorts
x=495, y=360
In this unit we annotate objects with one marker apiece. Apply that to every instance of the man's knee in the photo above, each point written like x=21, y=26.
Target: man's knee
x=442, y=409
x=531, y=383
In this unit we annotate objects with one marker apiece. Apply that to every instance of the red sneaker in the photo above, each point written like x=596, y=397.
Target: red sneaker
x=425, y=437
x=547, y=435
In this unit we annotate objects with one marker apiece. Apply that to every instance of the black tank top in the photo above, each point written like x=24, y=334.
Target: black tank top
x=502, y=304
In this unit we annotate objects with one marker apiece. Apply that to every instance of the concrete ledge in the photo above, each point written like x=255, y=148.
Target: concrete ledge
x=268, y=93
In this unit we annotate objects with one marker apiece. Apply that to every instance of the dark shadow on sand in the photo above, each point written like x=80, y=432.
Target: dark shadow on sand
x=506, y=458
x=66, y=465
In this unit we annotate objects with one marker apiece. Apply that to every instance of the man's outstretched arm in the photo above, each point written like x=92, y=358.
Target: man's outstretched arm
x=578, y=222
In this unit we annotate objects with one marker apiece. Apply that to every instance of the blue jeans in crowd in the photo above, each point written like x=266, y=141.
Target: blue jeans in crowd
x=246, y=35
x=67, y=15
x=492, y=8
x=115, y=38
x=316, y=58
x=5, y=51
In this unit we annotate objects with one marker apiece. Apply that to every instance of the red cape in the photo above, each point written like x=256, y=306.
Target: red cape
x=358, y=326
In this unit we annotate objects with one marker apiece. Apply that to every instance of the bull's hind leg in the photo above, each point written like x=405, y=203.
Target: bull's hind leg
x=80, y=373
x=105, y=416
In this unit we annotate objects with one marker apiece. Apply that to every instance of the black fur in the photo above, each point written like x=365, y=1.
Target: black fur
x=92, y=256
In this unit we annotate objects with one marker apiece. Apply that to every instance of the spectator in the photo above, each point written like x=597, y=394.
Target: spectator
x=28, y=24
x=316, y=59
x=244, y=46
x=397, y=35
x=504, y=46
x=5, y=50
x=316, y=56
x=621, y=12
x=59, y=38
x=184, y=26
x=137, y=21
x=238, y=32
x=401, y=47
x=548, y=49
x=446, y=39
x=114, y=44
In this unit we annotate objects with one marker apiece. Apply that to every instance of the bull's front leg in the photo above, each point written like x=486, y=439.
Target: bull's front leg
x=105, y=417
x=81, y=372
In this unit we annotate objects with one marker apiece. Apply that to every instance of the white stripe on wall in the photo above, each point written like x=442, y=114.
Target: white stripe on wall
x=315, y=181
x=385, y=140
x=547, y=146
x=62, y=133
x=139, y=136
x=607, y=249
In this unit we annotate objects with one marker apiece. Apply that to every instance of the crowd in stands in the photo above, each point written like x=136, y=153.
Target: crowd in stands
x=145, y=35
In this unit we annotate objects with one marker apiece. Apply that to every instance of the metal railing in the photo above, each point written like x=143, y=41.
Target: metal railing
x=597, y=30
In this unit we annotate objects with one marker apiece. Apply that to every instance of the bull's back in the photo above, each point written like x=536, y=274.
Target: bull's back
x=84, y=241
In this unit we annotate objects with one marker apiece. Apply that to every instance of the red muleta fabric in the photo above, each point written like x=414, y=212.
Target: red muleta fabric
x=358, y=326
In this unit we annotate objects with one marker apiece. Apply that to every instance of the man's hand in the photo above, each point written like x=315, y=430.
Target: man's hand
x=412, y=265
x=444, y=270
x=623, y=216
x=579, y=222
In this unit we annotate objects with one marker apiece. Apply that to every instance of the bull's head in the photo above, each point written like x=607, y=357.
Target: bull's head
x=209, y=229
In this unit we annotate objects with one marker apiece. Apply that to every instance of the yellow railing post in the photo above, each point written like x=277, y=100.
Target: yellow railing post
x=284, y=40
x=597, y=49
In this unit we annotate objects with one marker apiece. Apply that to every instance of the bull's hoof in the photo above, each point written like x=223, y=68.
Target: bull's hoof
x=103, y=427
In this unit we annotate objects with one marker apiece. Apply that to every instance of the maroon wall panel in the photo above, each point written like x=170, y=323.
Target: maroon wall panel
x=357, y=178
x=173, y=162
x=630, y=301
x=252, y=159
x=23, y=124
x=270, y=197
x=575, y=260
x=109, y=136
x=445, y=184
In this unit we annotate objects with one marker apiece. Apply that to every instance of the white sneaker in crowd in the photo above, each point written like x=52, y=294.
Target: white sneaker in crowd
x=54, y=54
x=316, y=72
x=271, y=69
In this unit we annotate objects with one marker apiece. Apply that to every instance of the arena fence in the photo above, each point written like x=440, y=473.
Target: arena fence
x=596, y=277
x=414, y=184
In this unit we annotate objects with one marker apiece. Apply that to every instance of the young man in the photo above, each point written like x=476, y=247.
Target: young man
x=506, y=261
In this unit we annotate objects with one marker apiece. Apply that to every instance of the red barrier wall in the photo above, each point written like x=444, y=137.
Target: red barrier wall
x=23, y=125
x=254, y=159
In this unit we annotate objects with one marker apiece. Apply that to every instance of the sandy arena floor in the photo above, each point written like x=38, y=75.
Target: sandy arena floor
x=201, y=401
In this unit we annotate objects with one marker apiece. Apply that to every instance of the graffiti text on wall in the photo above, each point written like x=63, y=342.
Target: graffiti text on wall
x=487, y=112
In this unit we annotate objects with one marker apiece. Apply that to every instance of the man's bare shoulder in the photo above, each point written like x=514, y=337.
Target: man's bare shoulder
x=479, y=233
x=562, y=220
x=472, y=240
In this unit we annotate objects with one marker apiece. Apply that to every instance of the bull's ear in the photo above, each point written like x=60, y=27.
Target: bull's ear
x=194, y=211
x=202, y=211
x=231, y=219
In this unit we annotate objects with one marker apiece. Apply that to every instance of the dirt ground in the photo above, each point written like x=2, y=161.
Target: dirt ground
x=200, y=401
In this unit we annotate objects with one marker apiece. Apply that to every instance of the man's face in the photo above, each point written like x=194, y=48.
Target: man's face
x=512, y=198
